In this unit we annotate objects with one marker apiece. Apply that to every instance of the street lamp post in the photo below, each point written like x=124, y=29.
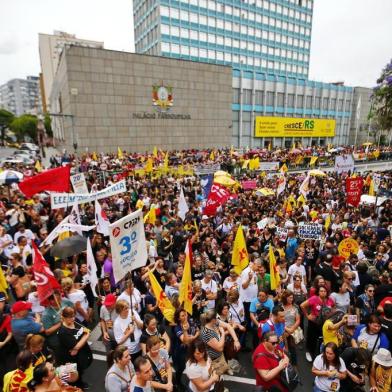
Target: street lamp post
x=41, y=135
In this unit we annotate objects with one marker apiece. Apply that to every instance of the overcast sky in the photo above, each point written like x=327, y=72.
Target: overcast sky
x=351, y=40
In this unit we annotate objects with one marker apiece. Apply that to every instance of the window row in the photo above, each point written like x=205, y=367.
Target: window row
x=270, y=97
x=229, y=42
x=265, y=5
x=211, y=21
x=230, y=58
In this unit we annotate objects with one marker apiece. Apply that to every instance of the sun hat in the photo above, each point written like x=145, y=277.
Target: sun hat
x=383, y=357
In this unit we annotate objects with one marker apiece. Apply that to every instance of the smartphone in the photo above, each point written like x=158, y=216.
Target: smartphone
x=352, y=319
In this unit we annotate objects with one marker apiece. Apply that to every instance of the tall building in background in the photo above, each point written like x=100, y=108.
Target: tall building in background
x=21, y=96
x=50, y=49
x=267, y=44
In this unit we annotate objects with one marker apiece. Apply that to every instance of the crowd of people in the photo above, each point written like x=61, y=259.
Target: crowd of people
x=340, y=307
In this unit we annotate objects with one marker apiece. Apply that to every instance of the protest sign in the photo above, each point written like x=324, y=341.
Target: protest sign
x=310, y=231
x=347, y=247
x=282, y=233
x=128, y=243
x=354, y=190
x=250, y=184
x=344, y=163
x=206, y=169
x=78, y=182
x=64, y=200
x=261, y=224
x=268, y=166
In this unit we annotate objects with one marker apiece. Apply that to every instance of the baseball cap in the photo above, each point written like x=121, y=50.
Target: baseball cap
x=19, y=306
x=110, y=300
x=204, y=217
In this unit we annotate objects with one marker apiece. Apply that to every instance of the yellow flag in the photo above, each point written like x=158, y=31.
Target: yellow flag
x=245, y=164
x=299, y=159
x=212, y=155
x=239, y=258
x=301, y=199
x=288, y=206
x=263, y=174
x=155, y=152
x=119, y=153
x=185, y=294
x=327, y=222
x=371, y=188
x=196, y=226
x=284, y=168
x=274, y=273
x=64, y=235
x=181, y=170
x=231, y=151
x=329, y=147
x=3, y=282
x=149, y=165
x=150, y=217
x=376, y=153
x=166, y=161
x=163, y=302
x=292, y=201
x=313, y=161
x=94, y=156
x=38, y=166
x=269, y=146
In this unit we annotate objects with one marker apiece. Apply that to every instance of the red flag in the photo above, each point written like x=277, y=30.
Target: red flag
x=46, y=282
x=217, y=197
x=354, y=190
x=56, y=180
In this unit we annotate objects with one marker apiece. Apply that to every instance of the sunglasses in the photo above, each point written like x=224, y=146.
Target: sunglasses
x=370, y=291
x=274, y=343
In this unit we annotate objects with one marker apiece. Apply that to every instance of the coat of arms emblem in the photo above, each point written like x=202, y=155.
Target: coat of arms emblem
x=162, y=97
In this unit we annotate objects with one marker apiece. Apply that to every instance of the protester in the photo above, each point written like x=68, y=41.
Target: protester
x=120, y=374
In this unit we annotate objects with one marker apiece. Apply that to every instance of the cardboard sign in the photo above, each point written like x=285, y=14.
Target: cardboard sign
x=250, y=184
x=344, y=163
x=347, y=247
x=282, y=233
x=78, y=182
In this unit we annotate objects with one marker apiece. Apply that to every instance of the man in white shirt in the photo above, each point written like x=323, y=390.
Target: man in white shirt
x=132, y=295
x=141, y=382
x=210, y=287
x=23, y=232
x=297, y=269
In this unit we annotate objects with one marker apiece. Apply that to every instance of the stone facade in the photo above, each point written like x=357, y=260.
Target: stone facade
x=109, y=95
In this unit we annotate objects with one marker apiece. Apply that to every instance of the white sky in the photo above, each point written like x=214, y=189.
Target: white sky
x=351, y=42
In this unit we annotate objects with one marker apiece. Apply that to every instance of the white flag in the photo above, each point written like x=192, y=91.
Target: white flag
x=358, y=112
x=101, y=219
x=182, y=205
x=54, y=233
x=91, y=268
x=304, y=187
x=74, y=217
x=128, y=243
x=281, y=184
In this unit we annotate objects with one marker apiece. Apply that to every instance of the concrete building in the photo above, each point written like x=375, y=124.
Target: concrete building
x=21, y=96
x=107, y=99
x=359, y=124
x=267, y=44
x=50, y=49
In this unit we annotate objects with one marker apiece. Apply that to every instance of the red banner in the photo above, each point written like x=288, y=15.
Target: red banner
x=56, y=180
x=354, y=190
x=43, y=276
x=250, y=184
x=217, y=197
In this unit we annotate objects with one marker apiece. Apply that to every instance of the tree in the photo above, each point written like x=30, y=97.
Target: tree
x=48, y=125
x=6, y=119
x=25, y=125
x=381, y=110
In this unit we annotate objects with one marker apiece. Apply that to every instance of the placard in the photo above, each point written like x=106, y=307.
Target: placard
x=78, y=182
x=310, y=231
x=344, y=163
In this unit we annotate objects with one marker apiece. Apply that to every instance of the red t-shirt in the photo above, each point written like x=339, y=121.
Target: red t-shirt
x=315, y=304
x=267, y=363
x=6, y=324
x=385, y=301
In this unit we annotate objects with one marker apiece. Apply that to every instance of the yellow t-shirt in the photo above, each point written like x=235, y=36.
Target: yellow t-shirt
x=139, y=204
x=330, y=335
x=383, y=379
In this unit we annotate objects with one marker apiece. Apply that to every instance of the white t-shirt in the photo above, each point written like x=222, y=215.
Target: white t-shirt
x=36, y=307
x=237, y=312
x=228, y=284
x=213, y=288
x=9, y=248
x=342, y=301
x=79, y=296
x=250, y=293
x=136, y=299
x=295, y=269
x=136, y=388
x=194, y=370
x=119, y=327
x=27, y=233
x=325, y=383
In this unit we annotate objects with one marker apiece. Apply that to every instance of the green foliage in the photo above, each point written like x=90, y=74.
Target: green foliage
x=48, y=125
x=382, y=99
x=25, y=125
x=6, y=119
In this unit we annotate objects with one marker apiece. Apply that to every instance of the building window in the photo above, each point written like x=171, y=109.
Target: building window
x=325, y=103
x=317, y=103
x=290, y=100
x=259, y=98
x=280, y=99
x=246, y=96
x=300, y=101
x=309, y=102
x=270, y=98
x=236, y=95
x=340, y=105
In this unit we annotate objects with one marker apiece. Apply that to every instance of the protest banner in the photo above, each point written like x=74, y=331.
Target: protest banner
x=250, y=184
x=344, y=163
x=78, y=182
x=354, y=190
x=128, y=243
x=206, y=169
x=310, y=231
x=261, y=224
x=347, y=247
x=64, y=200
x=268, y=166
x=282, y=233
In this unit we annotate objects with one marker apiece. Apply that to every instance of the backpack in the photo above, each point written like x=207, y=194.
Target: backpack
x=289, y=377
x=260, y=327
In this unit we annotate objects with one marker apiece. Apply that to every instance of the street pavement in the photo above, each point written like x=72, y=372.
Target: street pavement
x=242, y=382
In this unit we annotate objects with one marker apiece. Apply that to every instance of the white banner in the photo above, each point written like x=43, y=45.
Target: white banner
x=78, y=182
x=206, y=169
x=64, y=200
x=128, y=243
x=344, y=163
x=269, y=166
x=310, y=231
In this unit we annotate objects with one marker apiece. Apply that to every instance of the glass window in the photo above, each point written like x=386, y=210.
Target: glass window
x=165, y=29
x=340, y=105
x=185, y=50
x=251, y=31
x=300, y=101
x=317, y=103
x=228, y=10
x=194, y=35
x=194, y=52
x=211, y=5
x=265, y=20
x=211, y=21
x=290, y=100
x=259, y=98
x=228, y=41
x=264, y=63
x=165, y=11
x=309, y=101
x=243, y=44
x=175, y=48
x=244, y=29
x=219, y=40
x=203, y=3
x=280, y=99
x=333, y=103
x=211, y=38
x=259, y=18
x=265, y=34
x=175, y=31
x=202, y=36
x=325, y=103
x=270, y=98
x=284, y=39
x=203, y=20
x=236, y=58
x=194, y=17
x=246, y=96
x=174, y=13
x=228, y=25
x=203, y=53
x=251, y=46
x=236, y=43
x=257, y=62
x=258, y=33
x=184, y=15
x=219, y=24
x=219, y=56
x=228, y=57
x=236, y=11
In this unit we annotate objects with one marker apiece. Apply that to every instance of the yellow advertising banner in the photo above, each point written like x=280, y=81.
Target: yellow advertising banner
x=293, y=127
